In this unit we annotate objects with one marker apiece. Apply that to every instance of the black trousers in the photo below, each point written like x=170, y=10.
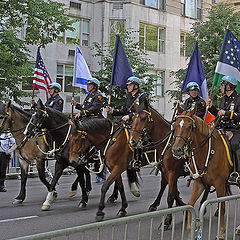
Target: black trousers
x=4, y=159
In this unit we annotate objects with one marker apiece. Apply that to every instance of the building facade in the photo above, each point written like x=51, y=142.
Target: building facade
x=161, y=27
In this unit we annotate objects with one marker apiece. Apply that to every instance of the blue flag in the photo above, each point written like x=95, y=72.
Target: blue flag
x=121, y=69
x=195, y=73
x=81, y=72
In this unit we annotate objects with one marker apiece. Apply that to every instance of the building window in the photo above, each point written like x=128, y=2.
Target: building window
x=159, y=84
x=191, y=8
x=80, y=32
x=151, y=38
x=75, y=5
x=183, y=44
x=65, y=76
x=159, y=4
x=116, y=26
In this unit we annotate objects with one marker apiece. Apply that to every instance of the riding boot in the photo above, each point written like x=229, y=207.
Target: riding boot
x=234, y=177
x=100, y=176
x=137, y=159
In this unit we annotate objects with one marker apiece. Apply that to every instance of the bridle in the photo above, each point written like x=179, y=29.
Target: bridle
x=6, y=116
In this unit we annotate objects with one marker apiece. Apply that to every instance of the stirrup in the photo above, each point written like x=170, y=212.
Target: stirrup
x=50, y=156
x=234, y=178
x=135, y=164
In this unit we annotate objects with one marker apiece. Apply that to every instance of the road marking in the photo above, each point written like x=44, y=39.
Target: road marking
x=17, y=219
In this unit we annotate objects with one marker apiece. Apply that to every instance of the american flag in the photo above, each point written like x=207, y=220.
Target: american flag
x=41, y=78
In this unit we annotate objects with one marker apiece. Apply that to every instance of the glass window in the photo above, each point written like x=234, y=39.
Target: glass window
x=159, y=84
x=151, y=3
x=116, y=26
x=182, y=44
x=151, y=38
x=65, y=76
x=160, y=4
x=191, y=8
x=80, y=32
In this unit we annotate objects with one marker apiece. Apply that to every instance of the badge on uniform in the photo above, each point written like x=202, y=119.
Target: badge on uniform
x=90, y=99
x=60, y=101
x=203, y=103
x=99, y=98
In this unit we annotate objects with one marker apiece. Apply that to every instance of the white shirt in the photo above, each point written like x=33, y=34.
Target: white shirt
x=6, y=141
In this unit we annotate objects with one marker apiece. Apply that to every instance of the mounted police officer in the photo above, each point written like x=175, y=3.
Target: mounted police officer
x=194, y=99
x=134, y=95
x=92, y=104
x=91, y=108
x=55, y=101
x=229, y=113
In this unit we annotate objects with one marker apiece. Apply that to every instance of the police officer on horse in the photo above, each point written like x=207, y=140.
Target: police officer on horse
x=134, y=95
x=195, y=99
x=55, y=101
x=229, y=113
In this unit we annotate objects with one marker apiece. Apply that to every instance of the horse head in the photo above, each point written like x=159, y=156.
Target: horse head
x=5, y=116
x=142, y=124
x=37, y=119
x=78, y=143
x=183, y=130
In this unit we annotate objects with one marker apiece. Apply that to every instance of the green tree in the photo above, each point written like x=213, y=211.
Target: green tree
x=41, y=20
x=137, y=58
x=209, y=35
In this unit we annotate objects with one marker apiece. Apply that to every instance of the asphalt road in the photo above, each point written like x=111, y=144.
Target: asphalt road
x=27, y=219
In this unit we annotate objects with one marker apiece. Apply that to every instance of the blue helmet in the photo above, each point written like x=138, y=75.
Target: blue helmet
x=192, y=86
x=55, y=85
x=134, y=80
x=229, y=79
x=93, y=80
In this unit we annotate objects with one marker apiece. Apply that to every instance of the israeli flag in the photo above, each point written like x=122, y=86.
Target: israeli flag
x=81, y=72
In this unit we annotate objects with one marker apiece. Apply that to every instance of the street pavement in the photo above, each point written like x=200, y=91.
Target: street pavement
x=27, y=218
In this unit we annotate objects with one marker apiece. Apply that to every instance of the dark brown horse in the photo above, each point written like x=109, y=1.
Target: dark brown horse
x=149, y=128
x=207, y=169
x=15, y=119
x=112, y=140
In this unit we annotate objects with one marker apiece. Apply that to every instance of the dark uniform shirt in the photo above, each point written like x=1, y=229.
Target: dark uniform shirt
x=231, y=104
x=55, y=103
x=129, y=107
x=92, y=105
x=200, y=103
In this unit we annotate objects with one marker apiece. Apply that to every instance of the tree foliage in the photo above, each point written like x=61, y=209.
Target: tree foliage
x=139, y=63
x=209, y=35
x=23, y=22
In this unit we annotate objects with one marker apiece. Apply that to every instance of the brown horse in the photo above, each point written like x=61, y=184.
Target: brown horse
x=112, y=140
x=209, y=157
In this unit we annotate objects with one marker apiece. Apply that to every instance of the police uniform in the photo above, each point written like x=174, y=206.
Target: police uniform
x=92, y=106
x=55, y=102
x=200, y=103
x=231, y=120
x=129, y=107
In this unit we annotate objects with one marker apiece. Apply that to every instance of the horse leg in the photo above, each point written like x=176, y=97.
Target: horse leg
x=84, y=200
x=112, y=177
x=196, y=193
x=24, y=174
x=133, y=182
x=156, y=203
x=204, y=198
x=73, y=190
x=114, y=195
x=59, y=166
x=122, y=212
x=41, y=173
x=88, y=181
x=221, y=192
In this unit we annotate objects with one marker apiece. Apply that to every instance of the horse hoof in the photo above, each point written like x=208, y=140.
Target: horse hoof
x=237, y=232
x=100, y=216
x=152, y=209
x=82, y=205
x=134, y=190
x=122, y=213
x=166, y=227
x=220, y=236
x=45, y=207
x=17, y=202
x=111, y=200
x=72, y=194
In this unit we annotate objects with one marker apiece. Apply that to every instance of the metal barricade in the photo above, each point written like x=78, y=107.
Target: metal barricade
x=231, y=207
x=146, y=226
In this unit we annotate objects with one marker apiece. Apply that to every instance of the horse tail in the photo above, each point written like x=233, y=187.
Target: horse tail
x=132, y=176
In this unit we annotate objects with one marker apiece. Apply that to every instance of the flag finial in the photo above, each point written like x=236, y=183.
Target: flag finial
x=76, y=40
x=197, y=37
x=39, y=42
x=228, y=25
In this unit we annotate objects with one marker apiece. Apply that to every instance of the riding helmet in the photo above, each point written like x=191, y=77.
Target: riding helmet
x=192, y=86
x=94, y=81
x=134, y=80
x=55, y=85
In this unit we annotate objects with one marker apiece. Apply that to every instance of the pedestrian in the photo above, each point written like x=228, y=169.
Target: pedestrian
x=229, y=114
x=92, y=108
x=195, y=99
x=6, y=144
x=55, y=101
x=134, y=95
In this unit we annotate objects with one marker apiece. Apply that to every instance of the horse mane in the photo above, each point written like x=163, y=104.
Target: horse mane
x=58, y=116
x=159, y=115
x=96, y=124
